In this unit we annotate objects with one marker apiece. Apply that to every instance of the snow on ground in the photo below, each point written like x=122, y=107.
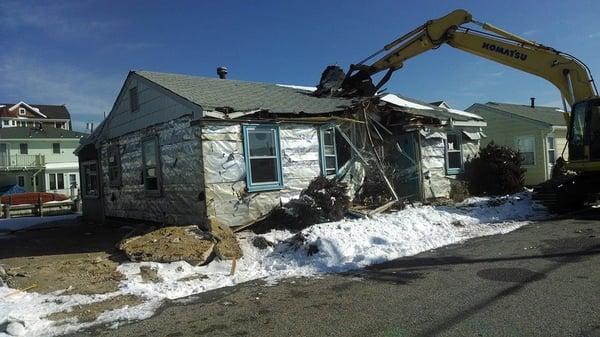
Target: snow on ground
x=30, y=221
x=342, y=246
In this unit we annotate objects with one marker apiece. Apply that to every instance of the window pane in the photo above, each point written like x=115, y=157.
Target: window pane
x=56, y=147
x=330, y=162
x=72, y=180
x=551, y=157
x=52, y=181
x=151, y=183
x=453, y=143
x=261, y=143
x=551, y=143
x=263, y=170
x=22, y=181
x=61, y=181
x=454, y=161
x=23, y=148
x=329, y=150
x=528, y=158
x=328, y=137
x=149, y=149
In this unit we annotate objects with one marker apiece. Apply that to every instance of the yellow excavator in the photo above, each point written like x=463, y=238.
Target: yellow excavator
x=570, y=75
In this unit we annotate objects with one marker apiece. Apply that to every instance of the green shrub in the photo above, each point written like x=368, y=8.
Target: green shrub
x=496, y=170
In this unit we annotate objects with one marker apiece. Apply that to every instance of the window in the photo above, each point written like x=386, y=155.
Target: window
x=22, y=124
x=263, y=159
x=72, y=180
x=454, y=160
x=114, y=166
x=551, y=150
x=21, y=181
x=22, y=111
x=57, y=181
x=56, y=148
x=6, y=122
x=329, y=164
x=150, y=161
x=59, y=125
x=90, y=179
x=52, y=181
x=133, y=99
x=23, y=148
x=526, y=147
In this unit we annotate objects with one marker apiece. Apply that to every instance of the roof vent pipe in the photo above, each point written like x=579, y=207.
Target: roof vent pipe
x=222, y=72
x=532, y=102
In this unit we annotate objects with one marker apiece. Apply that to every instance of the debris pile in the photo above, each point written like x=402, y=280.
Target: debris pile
x=170, y=244
x=496, y=170
x=324, y=200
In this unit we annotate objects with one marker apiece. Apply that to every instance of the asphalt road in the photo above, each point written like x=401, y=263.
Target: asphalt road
x=541, y=280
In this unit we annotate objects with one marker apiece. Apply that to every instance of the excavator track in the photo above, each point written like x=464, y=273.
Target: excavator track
x=566, y=193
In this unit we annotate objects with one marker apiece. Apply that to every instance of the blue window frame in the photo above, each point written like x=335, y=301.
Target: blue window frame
x=329, y=164
x=454, y=156
x=262, y=155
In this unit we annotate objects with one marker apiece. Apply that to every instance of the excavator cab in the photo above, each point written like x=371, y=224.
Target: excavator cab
x=584, y=134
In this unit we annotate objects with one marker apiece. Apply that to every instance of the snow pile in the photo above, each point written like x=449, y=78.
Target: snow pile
x=335, y=247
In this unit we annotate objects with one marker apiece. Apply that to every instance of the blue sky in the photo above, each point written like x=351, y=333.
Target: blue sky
x=78, y=53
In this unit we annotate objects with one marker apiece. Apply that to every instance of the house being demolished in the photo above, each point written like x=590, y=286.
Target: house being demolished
x=178, y=149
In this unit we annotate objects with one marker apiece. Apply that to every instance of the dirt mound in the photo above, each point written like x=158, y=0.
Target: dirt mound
x=227, y=247
x=170, y=244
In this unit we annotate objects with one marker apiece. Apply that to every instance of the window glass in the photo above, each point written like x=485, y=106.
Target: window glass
x=52, y=179
x=23, y=148
x=263, y=161
x=526, y=147
x=21, y=181
x=150, y=170
x=595, y=131
x=60, y=179
x=329, y=164
x=73, y=180
x=90, y=179
x=56, y=148
x=114, y=165
x=454, y=162
x=551, y=150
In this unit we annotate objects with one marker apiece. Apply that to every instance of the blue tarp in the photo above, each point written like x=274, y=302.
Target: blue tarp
x=11, y=189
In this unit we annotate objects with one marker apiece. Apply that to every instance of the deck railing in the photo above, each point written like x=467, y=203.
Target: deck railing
x=16, y=161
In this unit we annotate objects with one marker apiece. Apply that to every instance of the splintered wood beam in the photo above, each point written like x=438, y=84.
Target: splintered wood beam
x=352, y=146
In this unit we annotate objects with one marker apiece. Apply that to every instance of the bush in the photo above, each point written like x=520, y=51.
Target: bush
x=496, y=170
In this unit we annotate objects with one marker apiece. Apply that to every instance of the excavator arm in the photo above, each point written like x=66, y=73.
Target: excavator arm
x=567, y=73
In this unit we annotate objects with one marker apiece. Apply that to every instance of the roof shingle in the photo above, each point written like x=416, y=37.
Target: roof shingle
x=544, y=114
x=24, y=133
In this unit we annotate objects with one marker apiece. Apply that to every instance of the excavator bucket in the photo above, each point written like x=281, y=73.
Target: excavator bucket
x=335, y=82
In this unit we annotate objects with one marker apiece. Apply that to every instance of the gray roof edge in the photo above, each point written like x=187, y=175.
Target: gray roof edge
x=513, y=114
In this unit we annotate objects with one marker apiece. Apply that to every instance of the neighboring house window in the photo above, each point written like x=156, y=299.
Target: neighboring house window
x=72, y=180
x=56, y=148
x=6, y=122
x=263, y=158
x=21, y=181
x=90, y=179
x=114, y=166
x=57, y=181
x=59, y=125
x=22, y=111
x=151, y=160
x=526, y=147
x=133, y=99
x=23, y=148
x=328, y=151
x=551, y=150
x=37, y=182
x=23, y=124
x=454, y=161
x=13, y=123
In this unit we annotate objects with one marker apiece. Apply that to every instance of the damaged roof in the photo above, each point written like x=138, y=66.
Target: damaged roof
x=416, y=107
x=211, y=93
x=544, y=114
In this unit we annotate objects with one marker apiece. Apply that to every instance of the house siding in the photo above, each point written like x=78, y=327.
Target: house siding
x=503, y=129
x=181, y=199
x=225, y=172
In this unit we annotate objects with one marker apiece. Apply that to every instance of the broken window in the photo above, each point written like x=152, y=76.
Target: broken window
x=151, y=169
x=329, y=165
x=90, y=179
x=526, y=147
x=454, y=162
x=263, y=159
x=114, y=166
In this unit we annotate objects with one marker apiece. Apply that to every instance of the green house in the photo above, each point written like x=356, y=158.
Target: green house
x=538, y=132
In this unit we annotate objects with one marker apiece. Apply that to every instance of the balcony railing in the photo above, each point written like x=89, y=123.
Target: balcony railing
x=17, y=161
